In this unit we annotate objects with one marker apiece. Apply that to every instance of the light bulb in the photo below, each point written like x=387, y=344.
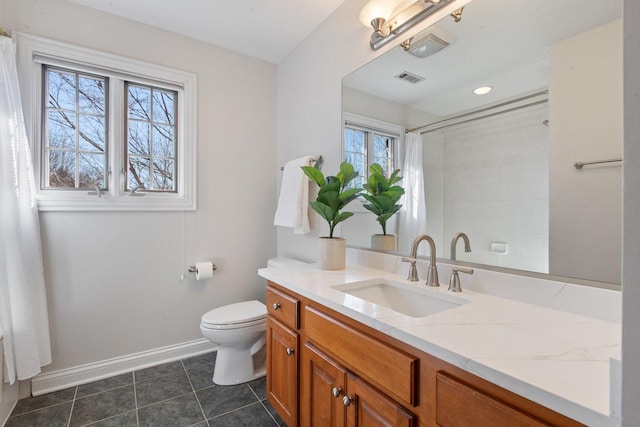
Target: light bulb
x=482, y=90
x=376, y=9
x=404, y=15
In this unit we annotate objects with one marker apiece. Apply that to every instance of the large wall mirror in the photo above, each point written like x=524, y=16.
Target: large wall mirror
x=500, y=166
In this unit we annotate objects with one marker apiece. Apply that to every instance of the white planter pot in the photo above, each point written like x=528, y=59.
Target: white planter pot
x=384, y=242
x=332, y=253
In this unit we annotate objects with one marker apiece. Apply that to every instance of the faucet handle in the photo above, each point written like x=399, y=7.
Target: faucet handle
x=454, y=281
x=413, y=271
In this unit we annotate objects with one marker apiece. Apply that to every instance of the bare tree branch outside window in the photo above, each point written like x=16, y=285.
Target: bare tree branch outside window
x=363, y=146
x=75, y=129
x=355, y=152
x=151, y=138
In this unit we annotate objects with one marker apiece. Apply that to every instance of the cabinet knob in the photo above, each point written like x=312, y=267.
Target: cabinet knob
x=346, y=401
x=337, y=391
x=289, y=351
x=276, y=305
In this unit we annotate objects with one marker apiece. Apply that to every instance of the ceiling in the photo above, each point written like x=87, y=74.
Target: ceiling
x=507, y=42
x=503, y=44
x=265, y=29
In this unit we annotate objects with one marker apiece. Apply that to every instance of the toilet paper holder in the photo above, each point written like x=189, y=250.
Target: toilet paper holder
x=194, y=269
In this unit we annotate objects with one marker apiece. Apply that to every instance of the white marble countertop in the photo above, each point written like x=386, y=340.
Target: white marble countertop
x=552, y=357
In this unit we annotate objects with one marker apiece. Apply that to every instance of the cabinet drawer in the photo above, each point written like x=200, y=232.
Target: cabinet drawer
x=458, y=404
x=389, y=369
x=283, y=307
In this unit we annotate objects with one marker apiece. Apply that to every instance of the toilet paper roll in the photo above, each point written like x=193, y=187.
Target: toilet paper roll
x=204, y=270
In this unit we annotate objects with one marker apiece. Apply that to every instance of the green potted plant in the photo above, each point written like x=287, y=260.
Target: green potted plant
x=383, y=196
x=333, y=196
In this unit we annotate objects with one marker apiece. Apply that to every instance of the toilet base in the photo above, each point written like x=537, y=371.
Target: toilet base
x=237, y=366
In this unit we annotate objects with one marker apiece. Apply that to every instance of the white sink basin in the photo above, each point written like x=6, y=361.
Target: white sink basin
x=410, y=300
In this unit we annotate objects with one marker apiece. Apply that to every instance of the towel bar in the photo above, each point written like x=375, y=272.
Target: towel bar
x=579, y=165
x=310, y=162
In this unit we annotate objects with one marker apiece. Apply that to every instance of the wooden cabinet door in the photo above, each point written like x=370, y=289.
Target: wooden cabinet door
x=323, y=384
x=282, y=370
x=367, y=407
x=459, y=405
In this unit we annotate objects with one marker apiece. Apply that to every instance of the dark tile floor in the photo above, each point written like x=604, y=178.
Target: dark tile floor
x=174, y=394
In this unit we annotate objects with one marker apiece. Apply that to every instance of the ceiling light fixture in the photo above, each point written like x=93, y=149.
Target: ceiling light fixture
x=482, y=90
x=391, y=18
x=457, y=14
x=428, y=42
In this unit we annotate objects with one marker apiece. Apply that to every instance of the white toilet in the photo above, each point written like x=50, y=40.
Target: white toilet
x=239, y=332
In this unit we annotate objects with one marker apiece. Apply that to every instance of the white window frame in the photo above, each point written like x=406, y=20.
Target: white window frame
x=34, y=51
x=373, y=124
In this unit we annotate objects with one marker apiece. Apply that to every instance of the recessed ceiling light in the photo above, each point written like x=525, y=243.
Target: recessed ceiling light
x=482, y=90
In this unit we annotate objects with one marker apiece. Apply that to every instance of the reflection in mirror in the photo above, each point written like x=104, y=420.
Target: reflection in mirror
x=500, y=166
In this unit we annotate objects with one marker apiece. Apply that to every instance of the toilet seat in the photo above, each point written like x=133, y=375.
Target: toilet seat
x=233, y=316
x=244, y=325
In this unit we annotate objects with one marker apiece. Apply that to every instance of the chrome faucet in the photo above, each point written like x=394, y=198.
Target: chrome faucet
x=454, y=281
x=454, y=241
x=432, y=275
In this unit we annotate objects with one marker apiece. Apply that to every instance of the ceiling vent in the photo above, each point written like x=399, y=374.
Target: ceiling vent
x=409, y=77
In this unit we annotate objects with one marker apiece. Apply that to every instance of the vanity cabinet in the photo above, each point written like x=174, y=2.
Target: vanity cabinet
x=324, y=382
x=282, y=354
x=333, y=396
x=459, y=404
x=345, y=374
x=367, y=406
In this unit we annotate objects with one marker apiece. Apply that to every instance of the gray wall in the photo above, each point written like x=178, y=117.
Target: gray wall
x=113, y=278
x=631, y=219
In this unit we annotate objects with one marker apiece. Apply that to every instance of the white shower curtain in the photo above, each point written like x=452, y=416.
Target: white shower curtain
x=413, y=214
x=23, y=305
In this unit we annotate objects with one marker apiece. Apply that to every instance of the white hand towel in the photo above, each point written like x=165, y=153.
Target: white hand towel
x=293, y=203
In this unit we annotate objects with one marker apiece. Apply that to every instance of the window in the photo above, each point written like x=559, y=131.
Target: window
x=75, y=130
x=368, y=141
x=151, y=142
x=106, y=128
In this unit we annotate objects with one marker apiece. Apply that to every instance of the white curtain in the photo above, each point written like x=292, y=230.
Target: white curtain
x=413, y=214
x=23, y=306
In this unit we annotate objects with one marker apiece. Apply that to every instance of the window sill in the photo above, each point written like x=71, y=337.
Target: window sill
x=148, y=202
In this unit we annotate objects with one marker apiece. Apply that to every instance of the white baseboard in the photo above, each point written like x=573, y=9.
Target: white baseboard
x=64, y=378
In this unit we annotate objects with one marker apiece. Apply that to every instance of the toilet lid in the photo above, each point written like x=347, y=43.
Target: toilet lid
x=241, y=312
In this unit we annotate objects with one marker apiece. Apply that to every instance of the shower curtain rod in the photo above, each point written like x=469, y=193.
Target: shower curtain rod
x=443, y=123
